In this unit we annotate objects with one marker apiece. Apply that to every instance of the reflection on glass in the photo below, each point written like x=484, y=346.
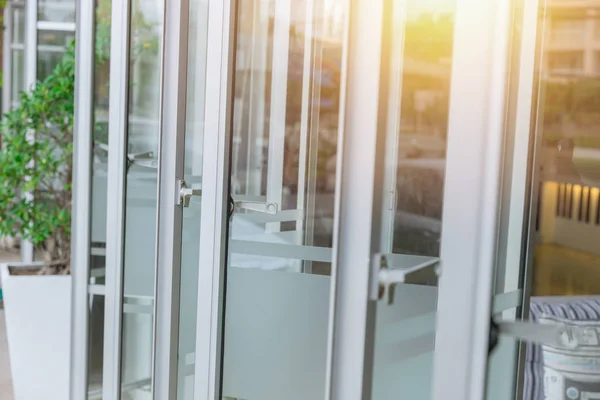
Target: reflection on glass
x=413, y=186
x=285, y=132
x=141, y=199
x=17, y=54
x=18, y=25
x=56, y=10
x=194, y=145
x=51, y=48
x=565, y=286
x=17, y=83
x=99, y=196
x=422, y=134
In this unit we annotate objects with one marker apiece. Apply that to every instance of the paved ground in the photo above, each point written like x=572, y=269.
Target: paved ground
x=6, y=390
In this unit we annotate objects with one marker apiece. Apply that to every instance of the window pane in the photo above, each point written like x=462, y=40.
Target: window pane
x=18, y=25
x=56, y=10
x=51, y=48
x=18, y=75
x=99, y=197
x=141, y=196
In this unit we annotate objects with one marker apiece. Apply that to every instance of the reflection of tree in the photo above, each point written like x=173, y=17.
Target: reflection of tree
x=571, y=108
x=429, y=38
x=144, y=45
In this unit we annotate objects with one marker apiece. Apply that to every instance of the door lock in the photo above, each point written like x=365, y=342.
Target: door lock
x=186, y=193
x=387, y=277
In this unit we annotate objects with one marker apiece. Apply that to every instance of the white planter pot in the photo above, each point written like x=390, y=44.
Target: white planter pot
x=38, y=323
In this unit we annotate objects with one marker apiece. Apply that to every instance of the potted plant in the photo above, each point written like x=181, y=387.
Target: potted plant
x=35, y=204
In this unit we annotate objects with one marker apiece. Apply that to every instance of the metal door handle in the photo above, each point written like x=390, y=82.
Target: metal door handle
x=425, y=273
x=256, y=206
x=555, y=335
x=186, y=193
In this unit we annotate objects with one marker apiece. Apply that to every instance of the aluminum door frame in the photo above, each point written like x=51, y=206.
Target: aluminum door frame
x=469, y=222
x=212, y=263
x=118, y=115
x=82, y=199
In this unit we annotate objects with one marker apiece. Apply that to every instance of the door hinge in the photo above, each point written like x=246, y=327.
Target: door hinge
x=386, y=276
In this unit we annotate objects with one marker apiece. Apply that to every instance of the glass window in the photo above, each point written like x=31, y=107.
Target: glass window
x=568, y=31
x=51, y=48
x=17, y=83
x=99, y=198
x=56, y=10
x=18, y=25
x=565, y=62
x=141, y=196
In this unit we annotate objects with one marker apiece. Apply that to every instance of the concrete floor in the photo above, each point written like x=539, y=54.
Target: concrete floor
x=6, y=389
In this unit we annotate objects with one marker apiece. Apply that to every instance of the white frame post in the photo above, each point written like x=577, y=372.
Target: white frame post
x=361, y=149
x=393, y=128
x=31, y=10
x=82, y=198
x=7, y=59
x=278, y=113
x=220, y=68
x=470, y=223
x=116, y=191
x=170, y=214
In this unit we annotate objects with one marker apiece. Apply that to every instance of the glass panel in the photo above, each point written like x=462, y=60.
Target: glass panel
x=566, y=264
x=18, y=75
x=56, y=10
x=51, y=48
x=99, y=197
x=286, y=110
x=49, y=39
x=18, y=25
x=198, y=20
x=564, y=237
x=141, y=197
x=413, y=186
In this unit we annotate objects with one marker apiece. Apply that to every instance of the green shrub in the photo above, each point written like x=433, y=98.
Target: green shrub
x=36, y=158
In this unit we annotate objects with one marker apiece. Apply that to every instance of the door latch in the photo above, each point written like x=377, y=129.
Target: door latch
x=256, y=206
x=388, y=276
x=186, y=193
x=555, y=335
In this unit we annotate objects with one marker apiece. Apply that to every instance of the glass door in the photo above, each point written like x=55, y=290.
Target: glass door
x=557, y=326
x=423, y=145
x=346, y=118
x=156, y=159
x=286, y=107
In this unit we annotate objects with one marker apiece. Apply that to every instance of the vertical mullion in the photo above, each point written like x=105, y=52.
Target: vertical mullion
x=470, y=223
x=212, y=263
x=393, y=128
x=170, y=215
x=358, y=200
x=7, y=59
x=532, y=46
x=31, y=10
x=116, y=192
x=277, y=115
x=256, y=111
x=82, y=190
x=305, y=113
